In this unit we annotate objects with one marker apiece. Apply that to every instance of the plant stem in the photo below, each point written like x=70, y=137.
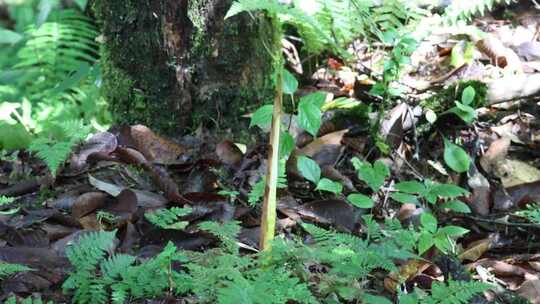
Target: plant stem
x=268, y=220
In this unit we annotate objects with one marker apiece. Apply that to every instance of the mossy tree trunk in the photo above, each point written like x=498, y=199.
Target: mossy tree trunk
x=171, y=64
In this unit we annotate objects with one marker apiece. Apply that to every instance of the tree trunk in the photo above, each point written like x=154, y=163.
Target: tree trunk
x=173, y=64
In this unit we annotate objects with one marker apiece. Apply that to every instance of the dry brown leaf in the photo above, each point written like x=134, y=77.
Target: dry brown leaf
x=407, y=271
x=478, y=248
x=496, y=152
x=87, y=203
x=530, y=289
x=154, y=147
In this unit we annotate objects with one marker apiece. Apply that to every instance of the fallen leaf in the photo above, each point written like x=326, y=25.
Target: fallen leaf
x=530, y=290
x=478, y=248
x=154, y=147
x=228, y=153
x=332, y=211
x=496, y=152
x=103, y=142
x=87, y=203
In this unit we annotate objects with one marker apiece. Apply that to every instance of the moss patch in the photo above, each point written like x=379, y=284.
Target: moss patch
x=227, y=66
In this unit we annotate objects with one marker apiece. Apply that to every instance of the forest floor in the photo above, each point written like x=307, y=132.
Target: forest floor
x=487, y=143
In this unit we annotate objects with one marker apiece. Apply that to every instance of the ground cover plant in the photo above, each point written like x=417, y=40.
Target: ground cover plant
x=395, y=162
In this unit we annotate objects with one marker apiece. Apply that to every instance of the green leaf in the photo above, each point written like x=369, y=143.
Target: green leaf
x=455, y=157
x=467, y=96
x=465, y=112
x=381, y=170
x=290, y=84
x=81, y=4
x=286, y=145
x=453, y=231
x=447, y=190
x=360, y=200
x=429, y=222
x=410, y=187
x=9, y=37
x=309, y=169
x=371, y=299
x=442, y=243
x=404, y=198
x=329, y=185
x=309, y=116
x=457, y=206
x=425, y=241
x=262, y=117
x=373, y=176
x=317, y=98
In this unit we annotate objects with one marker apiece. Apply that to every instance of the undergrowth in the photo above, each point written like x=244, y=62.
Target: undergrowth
x=224, y=275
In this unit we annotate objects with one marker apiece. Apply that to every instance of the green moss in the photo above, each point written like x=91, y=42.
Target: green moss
x=228, y=67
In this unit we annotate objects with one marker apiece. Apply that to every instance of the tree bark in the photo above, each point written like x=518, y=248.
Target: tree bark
x=173, y=64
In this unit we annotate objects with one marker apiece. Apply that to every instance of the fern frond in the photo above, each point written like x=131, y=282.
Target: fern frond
x=7, y=269
x=52, y=153
x=54, y=51
x=168, y=218
x=226, y=233
x=90, y=249
x=442, y=293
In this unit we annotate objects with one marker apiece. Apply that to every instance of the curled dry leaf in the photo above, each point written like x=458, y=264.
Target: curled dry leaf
x=324, y=150
x=104, y=143
x=481, y=192
x=395, y=123
x=87, y=203
x=407, y=271
x=478, y=248
x=499, y=54
x=530, y=289
x=496, y=152
x=154, y=147
x=145, y=199
x=228, y=153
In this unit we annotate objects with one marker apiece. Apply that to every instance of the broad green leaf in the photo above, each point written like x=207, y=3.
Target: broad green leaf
x=262, y=117
x=410, y=187
x=360, y=200
x=309, y=116
x=425, y=241
x=373, y=176
x=442, y=243
x=453, y=231
x=309, y=169
x=286, y=145
x=290, y=84
x=329, y=185
x=13, y=137
x=318, y=98
x=465, y=112
x=371, y=299
x=447, y=190
x=457, y=206
x=9, y=37
x=429, y=222
x=404, y=198
x=381, y=169
x=455, y=157
x=467, y=96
